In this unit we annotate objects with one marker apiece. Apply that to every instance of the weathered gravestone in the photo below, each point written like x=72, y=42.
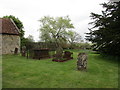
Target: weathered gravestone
x=41, y=53
x=24, y=51
x=59, y=53
x=68, y=55
x=82, y=61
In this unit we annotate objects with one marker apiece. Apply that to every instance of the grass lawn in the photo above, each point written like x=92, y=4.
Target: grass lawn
x=19, y=72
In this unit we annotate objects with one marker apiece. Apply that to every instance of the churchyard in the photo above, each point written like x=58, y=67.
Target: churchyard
x=62, y=57
x=20, y=72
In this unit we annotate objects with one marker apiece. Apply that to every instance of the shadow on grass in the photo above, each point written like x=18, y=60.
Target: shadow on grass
x=109, y=58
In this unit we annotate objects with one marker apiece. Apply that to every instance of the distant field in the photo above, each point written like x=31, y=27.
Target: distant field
x=19, y=72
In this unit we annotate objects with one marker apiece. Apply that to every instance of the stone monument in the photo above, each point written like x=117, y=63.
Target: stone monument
x=24, y=51
x=82, y=61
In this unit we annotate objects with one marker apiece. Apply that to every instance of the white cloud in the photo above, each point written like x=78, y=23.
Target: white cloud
x=30, y=11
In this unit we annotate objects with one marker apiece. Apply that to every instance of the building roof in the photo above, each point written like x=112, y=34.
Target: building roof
x=7, y=26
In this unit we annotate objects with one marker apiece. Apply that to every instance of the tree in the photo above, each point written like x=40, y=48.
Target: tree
x=105, y=33
x=55, y=29
x=20, y=26
x=30, y=38
x=28, y=41
x=73, y=37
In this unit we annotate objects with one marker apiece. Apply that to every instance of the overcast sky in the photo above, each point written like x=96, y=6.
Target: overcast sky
x=30, y=11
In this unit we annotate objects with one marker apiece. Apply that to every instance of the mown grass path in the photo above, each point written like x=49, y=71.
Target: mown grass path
x=19, y=72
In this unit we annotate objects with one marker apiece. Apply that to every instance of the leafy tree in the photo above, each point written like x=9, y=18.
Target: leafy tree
x=25, y=41
x=105, y=33
x=30, y=38
x=55, y=29
x=28, y=41
x=20, y=26
x=73, y=37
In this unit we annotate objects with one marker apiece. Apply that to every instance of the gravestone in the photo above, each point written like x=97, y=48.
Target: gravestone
x=41, y=53
x=24, y=51
x=82, y=61
x=68, y=55
x=59, y=53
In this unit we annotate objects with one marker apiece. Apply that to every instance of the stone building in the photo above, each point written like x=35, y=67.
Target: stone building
x=9, y=37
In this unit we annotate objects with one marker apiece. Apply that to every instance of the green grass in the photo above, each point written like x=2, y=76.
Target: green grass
x=19, y=72
x=0, y=71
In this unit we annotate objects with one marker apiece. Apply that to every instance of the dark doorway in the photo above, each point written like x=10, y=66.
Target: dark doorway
x=16, y=51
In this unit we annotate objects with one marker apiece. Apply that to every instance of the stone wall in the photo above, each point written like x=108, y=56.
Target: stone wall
x=0, y=44
x=9, y=43
x=0, y=37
